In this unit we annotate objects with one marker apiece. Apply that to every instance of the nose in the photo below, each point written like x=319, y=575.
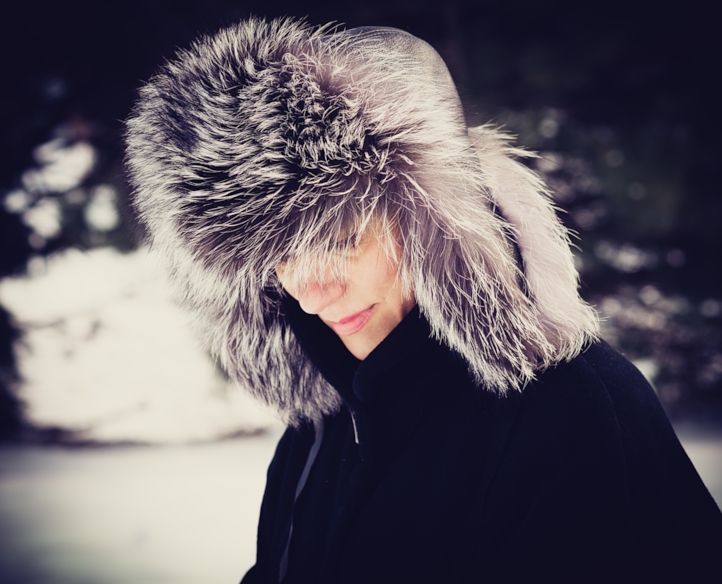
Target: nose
x=316, y=296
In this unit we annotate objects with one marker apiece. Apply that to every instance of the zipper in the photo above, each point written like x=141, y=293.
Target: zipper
x=355, y=429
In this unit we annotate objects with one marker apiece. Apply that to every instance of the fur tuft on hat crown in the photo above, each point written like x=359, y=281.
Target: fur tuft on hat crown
x=269, y=139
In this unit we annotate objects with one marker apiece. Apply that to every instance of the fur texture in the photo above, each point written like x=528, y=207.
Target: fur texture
x=270, y=141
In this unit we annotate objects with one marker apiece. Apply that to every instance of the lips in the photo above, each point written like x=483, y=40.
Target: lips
x=352, y=324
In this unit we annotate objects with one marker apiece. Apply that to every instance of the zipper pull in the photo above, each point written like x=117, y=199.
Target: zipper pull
x=355, y=429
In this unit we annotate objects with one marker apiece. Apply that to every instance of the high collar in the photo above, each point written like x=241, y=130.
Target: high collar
x=356, y=380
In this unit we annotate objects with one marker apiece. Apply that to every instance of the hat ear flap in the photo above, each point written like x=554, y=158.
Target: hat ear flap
x=468, y=287
x=252, y=339
x=543, y=241
x=492, y=267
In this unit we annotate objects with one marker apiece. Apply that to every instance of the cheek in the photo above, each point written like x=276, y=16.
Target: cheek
x=389, y=271
x=379, y=274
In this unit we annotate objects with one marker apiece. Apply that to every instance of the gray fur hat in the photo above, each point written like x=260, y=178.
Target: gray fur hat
x=271, y=140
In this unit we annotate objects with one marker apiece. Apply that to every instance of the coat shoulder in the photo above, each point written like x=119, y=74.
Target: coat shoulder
x=662, y=481
x=616, y=372
x=592, y=440
x=602, y=375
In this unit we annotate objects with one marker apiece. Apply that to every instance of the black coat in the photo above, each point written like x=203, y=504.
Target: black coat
x=579, y=478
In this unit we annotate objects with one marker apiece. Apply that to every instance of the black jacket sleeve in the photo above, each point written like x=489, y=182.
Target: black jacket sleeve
x=276, y=508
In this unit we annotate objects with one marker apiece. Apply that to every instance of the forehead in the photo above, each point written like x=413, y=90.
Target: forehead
x=336, y=255
x=315, y=237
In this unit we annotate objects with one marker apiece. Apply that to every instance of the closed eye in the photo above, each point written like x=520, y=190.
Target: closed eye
x=348, y=244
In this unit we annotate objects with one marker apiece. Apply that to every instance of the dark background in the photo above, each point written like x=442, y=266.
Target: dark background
x=619, y=97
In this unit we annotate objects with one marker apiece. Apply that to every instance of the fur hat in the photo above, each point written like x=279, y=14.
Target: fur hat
x=271, y=140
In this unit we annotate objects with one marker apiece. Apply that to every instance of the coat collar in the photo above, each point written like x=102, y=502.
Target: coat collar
x=355, y=380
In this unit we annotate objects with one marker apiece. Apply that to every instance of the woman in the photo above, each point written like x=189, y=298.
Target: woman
x=399, y=288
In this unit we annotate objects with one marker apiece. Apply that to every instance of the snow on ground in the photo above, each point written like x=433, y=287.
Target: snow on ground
x=183, y=514
x=107, y=352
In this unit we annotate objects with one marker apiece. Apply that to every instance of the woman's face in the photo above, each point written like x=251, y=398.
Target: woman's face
x=365, y=307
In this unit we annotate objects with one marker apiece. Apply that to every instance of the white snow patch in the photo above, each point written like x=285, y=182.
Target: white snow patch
x=101, y=213
x=107, y=352
x=44, y=218
x=62, y=166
